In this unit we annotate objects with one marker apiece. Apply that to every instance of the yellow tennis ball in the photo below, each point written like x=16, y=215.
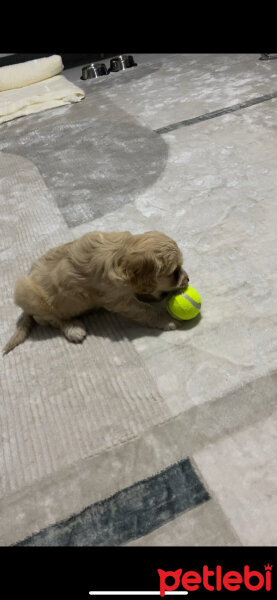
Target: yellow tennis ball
x=185, y=305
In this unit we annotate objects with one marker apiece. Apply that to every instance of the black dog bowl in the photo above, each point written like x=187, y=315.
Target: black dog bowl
x=122, y=62
x=94, y=70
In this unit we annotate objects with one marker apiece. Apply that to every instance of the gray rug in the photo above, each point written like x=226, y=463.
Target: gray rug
x=142, y=437
x=108, y=162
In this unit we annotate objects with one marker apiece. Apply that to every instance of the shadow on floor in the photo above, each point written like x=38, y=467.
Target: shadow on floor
x=103, y=324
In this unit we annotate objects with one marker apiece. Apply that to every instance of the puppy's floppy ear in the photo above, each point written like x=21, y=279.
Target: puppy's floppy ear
x=141, y=269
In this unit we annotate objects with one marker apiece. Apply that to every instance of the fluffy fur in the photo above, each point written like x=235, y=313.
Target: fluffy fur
x=115, y=271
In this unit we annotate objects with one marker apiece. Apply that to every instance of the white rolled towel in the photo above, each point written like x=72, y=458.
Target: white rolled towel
x=29, y=72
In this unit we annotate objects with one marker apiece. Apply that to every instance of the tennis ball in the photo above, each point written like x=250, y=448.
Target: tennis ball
x=185, y=305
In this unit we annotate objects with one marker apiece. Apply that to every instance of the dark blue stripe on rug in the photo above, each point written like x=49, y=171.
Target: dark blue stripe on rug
x=130, y=513
x=216, y=113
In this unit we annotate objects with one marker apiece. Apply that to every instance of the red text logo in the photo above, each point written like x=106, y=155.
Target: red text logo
x=215, y=580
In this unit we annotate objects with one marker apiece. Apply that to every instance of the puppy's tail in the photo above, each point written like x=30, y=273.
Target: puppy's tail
x=23, y=329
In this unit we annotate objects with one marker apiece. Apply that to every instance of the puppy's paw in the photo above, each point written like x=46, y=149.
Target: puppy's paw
x=75, y=332
x=165, y=324
x=170, y=326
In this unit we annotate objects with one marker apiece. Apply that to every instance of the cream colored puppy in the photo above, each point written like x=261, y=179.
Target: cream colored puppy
x=99, y=270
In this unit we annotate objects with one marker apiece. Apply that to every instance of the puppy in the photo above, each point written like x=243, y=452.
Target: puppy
x=115, y=271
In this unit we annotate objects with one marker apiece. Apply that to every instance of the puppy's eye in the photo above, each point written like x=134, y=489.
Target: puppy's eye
x=176, y=274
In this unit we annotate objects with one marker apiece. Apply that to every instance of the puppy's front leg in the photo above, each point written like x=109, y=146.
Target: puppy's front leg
x=142, y=313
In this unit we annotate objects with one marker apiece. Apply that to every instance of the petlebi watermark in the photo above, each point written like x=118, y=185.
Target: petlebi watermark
x=216, y=580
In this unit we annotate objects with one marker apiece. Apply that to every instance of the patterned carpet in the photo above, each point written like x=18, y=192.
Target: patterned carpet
x=137, y=436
